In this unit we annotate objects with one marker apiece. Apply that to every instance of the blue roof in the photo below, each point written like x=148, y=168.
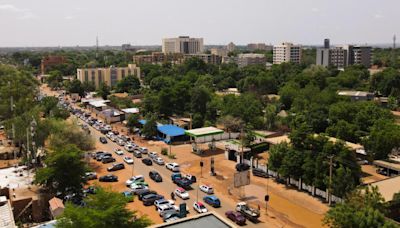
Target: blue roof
x=171, y=130
x=142, y=122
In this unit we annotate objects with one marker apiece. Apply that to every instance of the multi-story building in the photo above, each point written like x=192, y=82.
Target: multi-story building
x=157, y=58
x=259, y=46
x=231, y=47
x=183, y=45
x=108, y=75
x=361, y=55
x=219, y=51
x=286, y=52
x=51, y=61
x=207, y=58
x=251, y=59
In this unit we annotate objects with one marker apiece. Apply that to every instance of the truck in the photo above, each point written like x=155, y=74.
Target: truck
x=251, y=214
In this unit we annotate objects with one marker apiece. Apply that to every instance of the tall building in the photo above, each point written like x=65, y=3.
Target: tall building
x=361, y=55
x=108, y=75
x=182, y=44
x=286, y=52
x=251, y=59
x=259, y=46
x=326, y=43
x=231, y=47
x=49, y=61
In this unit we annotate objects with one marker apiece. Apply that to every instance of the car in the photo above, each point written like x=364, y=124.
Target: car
x=153, y=154
x=143, y=150
x=155, y=176
x=137, y=178
x=212, y=200
x=103, y=140
x=199, y=207
x=108, y=178
x=128, y=160
x=109, y=134
x=169, y=217
x=120, y=142
x=260, y=173
x=98, y=153
x=147, y=161
x=137, y=154
x=166, y=209
x=138, y=188
x=160, y=202
x=242, y=167
x=175, y=176
x=207, y=189
x=236, y=217
x=190, y=177
x=118, y=151
x=142, y=194
x=90, y=190
x=182, y=193
x=148, y=200
x=158, y=160
x=174, y=167
x=107, y=159
x=104, y=155
x=129, y=195
x=183, y=183
x=90, y=175
x=116, y=166
x=129, y=147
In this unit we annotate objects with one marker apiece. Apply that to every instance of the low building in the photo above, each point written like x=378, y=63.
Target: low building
x=129, y=111
x=390, y=168
x=6, y=214
x=208, y=219
x=388, y=187
x=207, y=58
x=56, y=207
x=259, y=46
x=112, y=115
x=357, y=95
x=158, y=58
x=251, y=59
x=171, y=134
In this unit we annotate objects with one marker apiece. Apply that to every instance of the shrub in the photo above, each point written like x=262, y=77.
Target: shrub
x=164, y=151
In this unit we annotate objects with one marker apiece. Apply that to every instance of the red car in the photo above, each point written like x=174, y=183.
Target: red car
x=237, y=217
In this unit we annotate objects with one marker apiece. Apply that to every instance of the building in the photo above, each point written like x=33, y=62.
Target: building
x=360, y=55
x=219, y=51
x=127, y=47
x=49, y=61
x=251, y=59
x=357, y=95
x=110, y=75
x=6, y=213
x=207, y=58
x=231, y=47
x=182, y=44
x=158, y=58
x=259, y=46
x=208, y=219
x=286, y=52
x=56, y=207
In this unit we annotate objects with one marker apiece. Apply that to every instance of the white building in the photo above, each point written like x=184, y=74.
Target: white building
x=182, y=44
x=286, y=52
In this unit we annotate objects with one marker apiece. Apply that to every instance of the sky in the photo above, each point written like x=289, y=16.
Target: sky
x=146, y=22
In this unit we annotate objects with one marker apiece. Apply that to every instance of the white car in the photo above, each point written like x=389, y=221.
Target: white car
x=120, y=142
x=158, y=160
x=160, y=202
x=118, y=151
x=165, y=209
x=129, y=148
x=173, y=167
x=133, y=179
x=182, y=193
x=128, y=160
x=109, y=134
x=206, y=188
x=143, y=150
x=199, y=207
x=108, y=128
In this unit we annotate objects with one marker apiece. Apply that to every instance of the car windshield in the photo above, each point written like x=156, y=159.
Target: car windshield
x=202, y=206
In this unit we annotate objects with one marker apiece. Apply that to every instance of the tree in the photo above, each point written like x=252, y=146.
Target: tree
x=64, y=171
x=128, y=84
x=55, y=79
x=276, y=155
x=150, y=127
x=362, y=209
x=230, y=123
x=103, y=91
x=48, y=104
x=270, y=117
x=133, y=121
x=76, y=87
x=103, y=209
x=292, y=164
x=66, y=133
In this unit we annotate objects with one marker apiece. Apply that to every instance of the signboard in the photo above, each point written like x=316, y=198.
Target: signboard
x=241, y=179
x=182, y=210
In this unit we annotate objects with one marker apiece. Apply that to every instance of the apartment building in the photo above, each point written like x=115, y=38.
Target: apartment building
x=108, y=75
x=219, y=51
x=286, y=52
x=183, y=45
x=361, y=55
x=251, y=59
x=259, y=46
x=207, y=58
x=157, y=58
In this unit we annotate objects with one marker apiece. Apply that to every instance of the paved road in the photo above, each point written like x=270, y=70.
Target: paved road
x=167, y=186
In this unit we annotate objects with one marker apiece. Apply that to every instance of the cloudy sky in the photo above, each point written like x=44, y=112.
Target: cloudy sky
x=145, y=22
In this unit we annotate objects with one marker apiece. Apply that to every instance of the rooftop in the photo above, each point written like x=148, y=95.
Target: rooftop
x=389, y=165
x=171, y=130
x=205, y=131
x=56, y=203
x=130, y=110
x=209, y=219
x=15, y=177
x=6, y=214
x=354, y=93
x=388, y=187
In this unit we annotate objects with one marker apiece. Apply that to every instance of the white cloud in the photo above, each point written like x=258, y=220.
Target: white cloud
x=27, y=15
x=11, y=8
x=69, y=17
x=23, y=13
x=378, y=16
x=315, y=10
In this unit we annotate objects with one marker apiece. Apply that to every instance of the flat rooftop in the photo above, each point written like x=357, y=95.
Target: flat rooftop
x=388, y=165
x=15, y=177
x=205, y=220
x=205, y=131
x=388, y=187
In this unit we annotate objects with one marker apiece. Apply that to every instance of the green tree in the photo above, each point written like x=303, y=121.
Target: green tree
x=76, y=87
x=128, y=84
x=150, y=127
x=64, y=171
x=277, y=154
x=66, y=133
x=103, y=91
x=103, y=209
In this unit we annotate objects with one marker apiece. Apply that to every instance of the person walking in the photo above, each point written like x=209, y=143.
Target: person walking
x=172, y=196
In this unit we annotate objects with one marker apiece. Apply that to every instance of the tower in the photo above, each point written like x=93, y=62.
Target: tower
x=326, y=43
x=394, y=50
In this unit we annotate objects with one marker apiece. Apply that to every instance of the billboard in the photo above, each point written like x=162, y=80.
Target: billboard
x=241, y=179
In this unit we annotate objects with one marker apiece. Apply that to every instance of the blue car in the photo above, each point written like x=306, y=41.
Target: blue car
x=212, y=200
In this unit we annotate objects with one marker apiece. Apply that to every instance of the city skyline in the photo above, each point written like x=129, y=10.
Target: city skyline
x=71, y=23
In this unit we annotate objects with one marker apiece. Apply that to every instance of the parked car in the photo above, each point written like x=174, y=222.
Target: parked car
x=108, y=178
x=199, y=207
x=190, y=177
x=120, y=142
x=236, y=217
x=242, y=167
x=128, y=160
x=118, y=151
x=116, y=166
x=134, y=179
x=129, y=195
x=212, y=200
x=143, y=150
x=155, y=176
x=148, y=200
x=159, y=160
x=98, y=153
x=91, y=175
x=142, y=194
x=260, y=173
x=107, y=159
x=174, y=167
x=147, y=161
x=103, y=155
x=166, y=209
x=207, y=189
x=169, y=217
x=138, y=188
x=137, y=154
x=103, y=140
x=129, y=148
x=90, y=190
x=182, y=193
x=163, y=202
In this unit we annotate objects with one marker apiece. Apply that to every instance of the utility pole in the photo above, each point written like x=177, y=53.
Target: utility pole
x=330, y=180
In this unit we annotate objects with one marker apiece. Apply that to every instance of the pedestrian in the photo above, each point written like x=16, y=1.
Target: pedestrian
x=259, y=208
x=172, y=196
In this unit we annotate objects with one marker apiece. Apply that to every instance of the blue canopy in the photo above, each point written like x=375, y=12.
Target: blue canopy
x=171, y=130
x=142, y=122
